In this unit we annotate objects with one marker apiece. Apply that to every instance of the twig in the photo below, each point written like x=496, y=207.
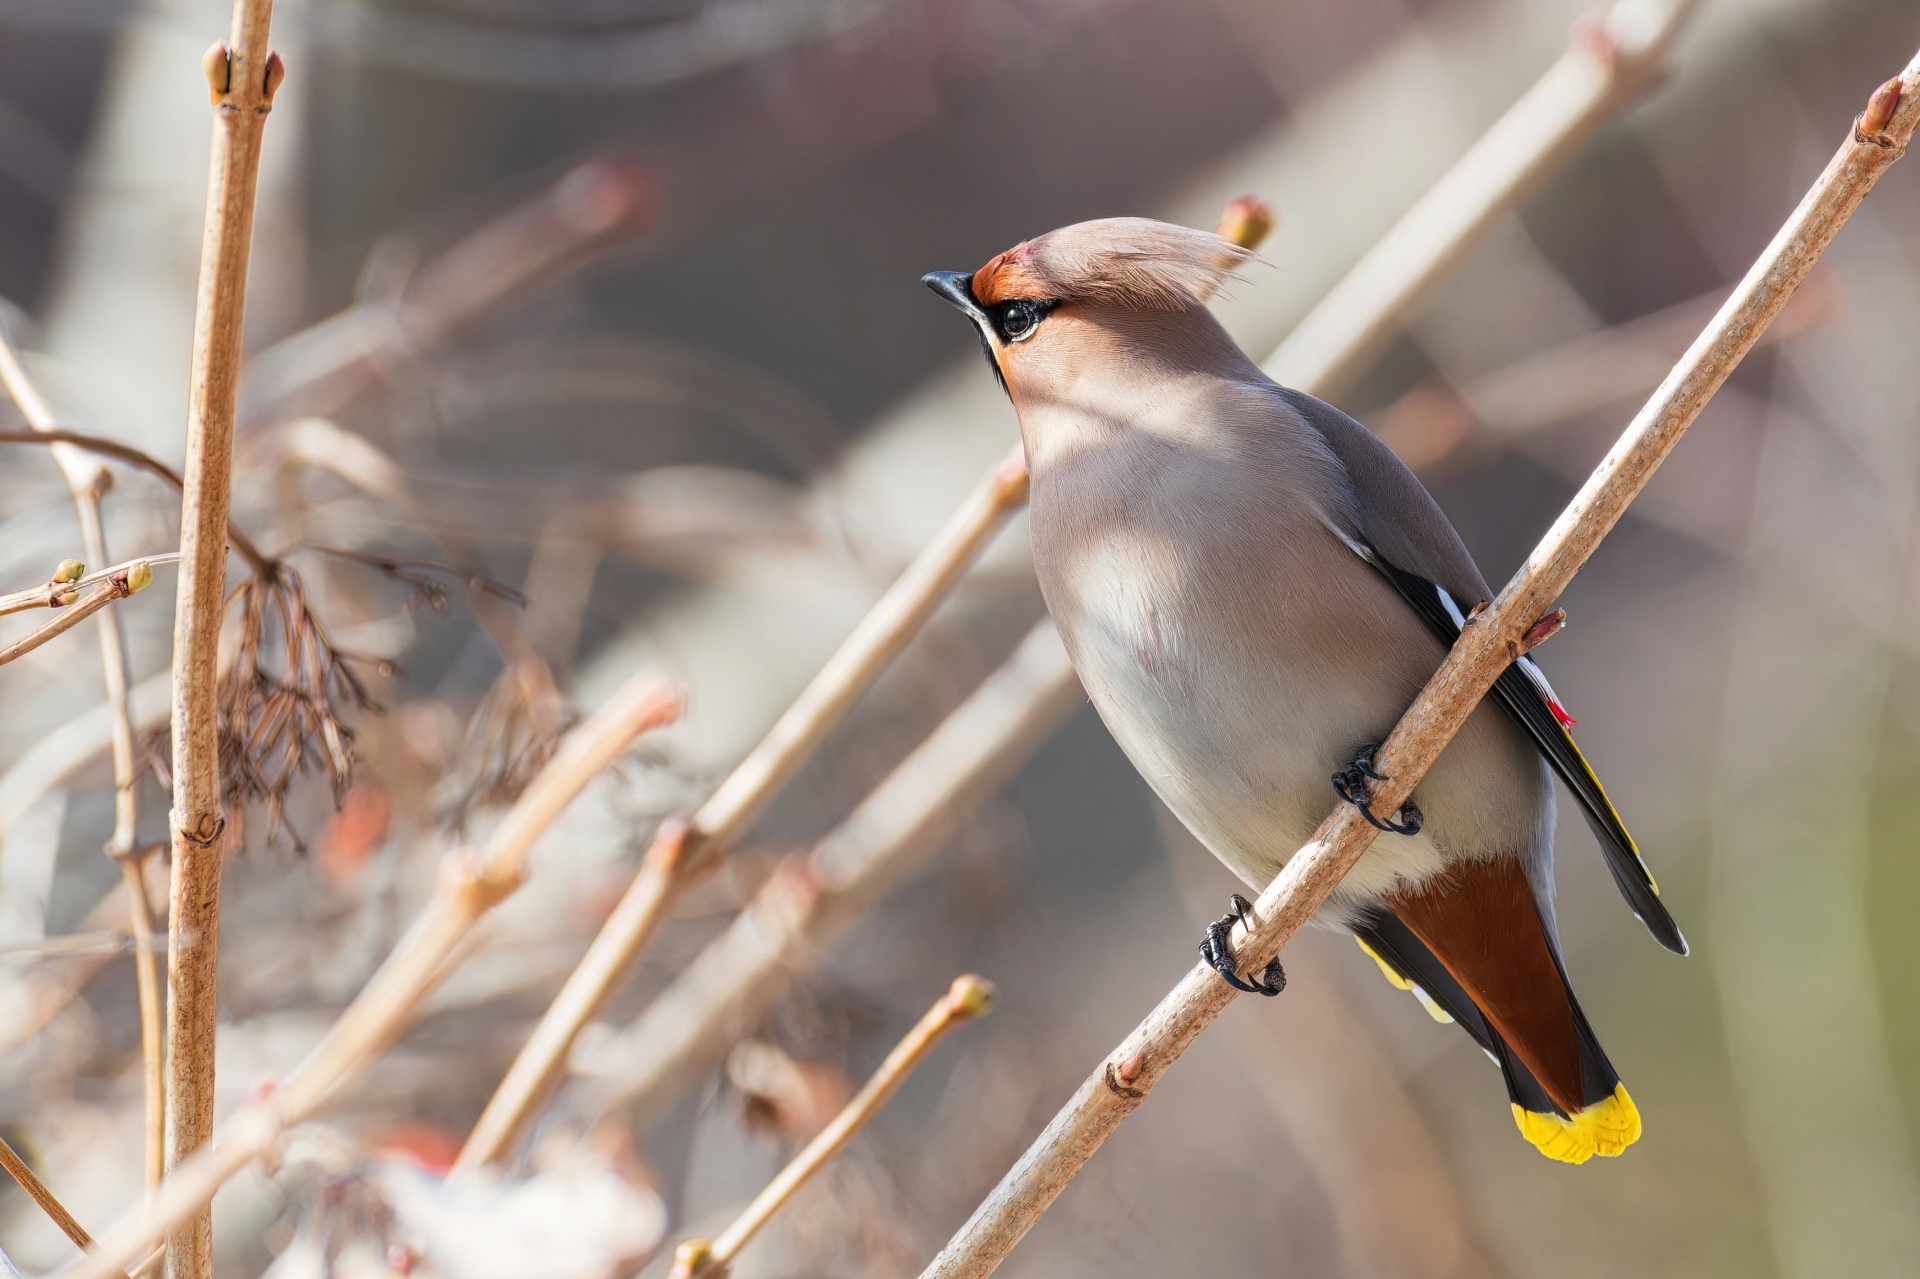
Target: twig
x=88, y=484
x=1489, y=642
x=811, y=898
x=1608, y=63
x=37, y=1191
x=241, y=79
x=64, y=587
x=969, y=997
x=116, y=589
x=471, y=883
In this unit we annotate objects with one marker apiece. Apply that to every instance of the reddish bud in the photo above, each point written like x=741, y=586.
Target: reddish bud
x=1880, y=108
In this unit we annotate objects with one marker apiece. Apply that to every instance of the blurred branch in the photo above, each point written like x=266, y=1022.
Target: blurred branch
x=242, y=77
x=1437, y=418
x=811, y=898
x=1490, y=641
x=471, y=883
x=327, y=366
x=680, y=850
x=1609, y=63
x=106, y=446
x=970, y=997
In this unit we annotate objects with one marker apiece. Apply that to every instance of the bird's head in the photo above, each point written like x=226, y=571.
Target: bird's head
x=1052, y=297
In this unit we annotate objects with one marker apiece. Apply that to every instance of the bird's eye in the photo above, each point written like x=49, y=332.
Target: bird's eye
x=1019, y=320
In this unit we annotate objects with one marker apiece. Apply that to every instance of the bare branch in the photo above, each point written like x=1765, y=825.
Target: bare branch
x=1608, y=64
x=970, y=997
x=810, y=899
x=1489, y=642
x=242, y=77
x=37, y=1191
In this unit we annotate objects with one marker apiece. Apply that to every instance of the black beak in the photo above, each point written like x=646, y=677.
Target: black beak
x=957, y=288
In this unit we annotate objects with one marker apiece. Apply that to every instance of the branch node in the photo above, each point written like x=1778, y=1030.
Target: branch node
x=206, y=832
x=1122, y=1078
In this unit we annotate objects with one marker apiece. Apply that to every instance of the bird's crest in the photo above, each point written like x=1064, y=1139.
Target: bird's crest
x=1133, y=262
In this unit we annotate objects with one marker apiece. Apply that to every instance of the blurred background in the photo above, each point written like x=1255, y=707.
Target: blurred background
x=617, y=302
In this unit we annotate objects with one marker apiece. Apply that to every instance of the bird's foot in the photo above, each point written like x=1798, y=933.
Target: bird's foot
x=1350, y=783
x=1218, y=952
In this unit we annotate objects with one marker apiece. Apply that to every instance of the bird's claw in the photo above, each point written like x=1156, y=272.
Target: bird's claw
x=1217, y=950
x=1350, y=784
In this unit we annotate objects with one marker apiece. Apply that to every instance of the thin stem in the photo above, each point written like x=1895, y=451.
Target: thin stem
x=969, y=997
x=51, y=595
x=1607, y=64
x=471, y=883
x=37, y=1191
x=118, y=589
x=1487, y=644
x=241, y=79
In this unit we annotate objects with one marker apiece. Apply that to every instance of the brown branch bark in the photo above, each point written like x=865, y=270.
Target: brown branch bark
x=37, y=1191
x=472, y=882
x=1486, y=646
x=241, y=78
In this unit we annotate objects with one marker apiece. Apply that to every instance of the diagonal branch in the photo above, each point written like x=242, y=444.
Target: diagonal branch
x=968, y=998
x=1489, y=642
x=1610, y=61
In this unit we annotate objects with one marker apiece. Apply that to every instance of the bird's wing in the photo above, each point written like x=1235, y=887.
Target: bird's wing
x=1418, y=551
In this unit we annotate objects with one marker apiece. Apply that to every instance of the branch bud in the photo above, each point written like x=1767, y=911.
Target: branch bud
x=219, y=70
x=971, y=996
x=140, y=576
x=1247, y=221
x=69, y=571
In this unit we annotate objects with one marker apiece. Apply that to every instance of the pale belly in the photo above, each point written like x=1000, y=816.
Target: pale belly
x=1239, y=724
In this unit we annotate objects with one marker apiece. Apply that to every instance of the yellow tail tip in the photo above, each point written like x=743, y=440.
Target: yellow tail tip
x=1605, y=1128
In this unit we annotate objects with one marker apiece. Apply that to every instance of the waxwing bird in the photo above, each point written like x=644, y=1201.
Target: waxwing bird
x=1252, y=589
